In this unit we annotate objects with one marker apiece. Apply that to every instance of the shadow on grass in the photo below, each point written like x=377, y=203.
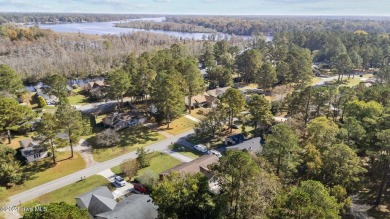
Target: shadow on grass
x=177, y=147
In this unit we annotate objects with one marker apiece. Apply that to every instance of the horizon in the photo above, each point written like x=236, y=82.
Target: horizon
x=362, y=8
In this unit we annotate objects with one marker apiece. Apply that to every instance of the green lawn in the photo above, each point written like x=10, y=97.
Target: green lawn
x=49, y=109
x=78, y=98
x=70, y=192
x=179, y=125
x=158, y=163
x=186, y=151
x=43, y=171
x=131, y=139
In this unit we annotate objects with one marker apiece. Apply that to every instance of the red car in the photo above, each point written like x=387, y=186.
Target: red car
x=140, y=188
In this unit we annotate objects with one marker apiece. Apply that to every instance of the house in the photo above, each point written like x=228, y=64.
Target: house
x=199, y=165
x=32, y=150
x=94, y=84
x=196, y=101
x=212, y=96
x=217, y=92
x=234, y=139
x=50, y=99
x=96, y=89
x=120, y=121
x=253, y=145
x=101, y=204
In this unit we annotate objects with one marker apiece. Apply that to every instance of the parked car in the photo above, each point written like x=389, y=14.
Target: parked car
x=120, y=181
x=200, y=147
x=139, y=187
x=216, y=153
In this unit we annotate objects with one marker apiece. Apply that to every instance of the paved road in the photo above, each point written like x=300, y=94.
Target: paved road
x=72, y=178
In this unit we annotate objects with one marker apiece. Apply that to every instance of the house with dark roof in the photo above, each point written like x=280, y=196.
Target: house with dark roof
x=119, y=121
x=253, y=145
x=234, y=139
x=101, y=204
x=32, y=150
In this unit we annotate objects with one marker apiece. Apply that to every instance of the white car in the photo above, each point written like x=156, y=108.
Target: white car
x=120, y=181
x=200, y=147
x=216, y=153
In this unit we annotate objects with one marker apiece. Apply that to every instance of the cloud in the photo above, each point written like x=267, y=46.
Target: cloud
x=162, y=0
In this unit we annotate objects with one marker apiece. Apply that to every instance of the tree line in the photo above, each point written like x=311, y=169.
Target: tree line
x=165, y=26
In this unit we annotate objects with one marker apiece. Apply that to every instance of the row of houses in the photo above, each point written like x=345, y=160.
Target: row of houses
x=101, y=204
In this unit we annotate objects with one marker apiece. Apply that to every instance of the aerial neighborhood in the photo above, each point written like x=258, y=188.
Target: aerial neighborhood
x=262, y=117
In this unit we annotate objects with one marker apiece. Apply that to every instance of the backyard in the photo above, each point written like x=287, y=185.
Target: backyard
x=78, y=98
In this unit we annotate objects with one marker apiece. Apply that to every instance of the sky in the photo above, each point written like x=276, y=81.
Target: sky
x=204, y=7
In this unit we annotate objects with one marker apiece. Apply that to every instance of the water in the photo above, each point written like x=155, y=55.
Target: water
x=101, y=28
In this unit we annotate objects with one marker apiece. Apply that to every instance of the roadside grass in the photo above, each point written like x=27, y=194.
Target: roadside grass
x=70, y=192
x=130, y=139
x=199, y=113
x=159, y=162
x=79, y=98
x=43, y=171
x=185, y=151
x=178, y=126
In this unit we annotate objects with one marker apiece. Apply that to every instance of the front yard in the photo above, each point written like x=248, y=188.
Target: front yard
x=131, y=139
x=158, y=163
x=186, y=151
x=178, y=126
x=43, y=171
x=70, y=192
x=78, y=98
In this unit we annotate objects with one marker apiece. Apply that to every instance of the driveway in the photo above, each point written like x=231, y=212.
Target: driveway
x=119, y=190
x=89, y=171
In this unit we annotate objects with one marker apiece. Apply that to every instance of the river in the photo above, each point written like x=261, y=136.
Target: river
x=101, y=28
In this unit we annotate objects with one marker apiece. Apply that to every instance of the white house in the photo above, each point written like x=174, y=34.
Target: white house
x=32, y=151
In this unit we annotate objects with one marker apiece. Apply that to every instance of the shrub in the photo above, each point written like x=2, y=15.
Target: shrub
x=148, y=178
x=130, y=167
x=107, y=138
x=41, y=102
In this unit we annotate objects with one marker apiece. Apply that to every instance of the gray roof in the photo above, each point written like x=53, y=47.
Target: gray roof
x=101, y=191
x=249, y=145
x=135, y=206
x=100, y=204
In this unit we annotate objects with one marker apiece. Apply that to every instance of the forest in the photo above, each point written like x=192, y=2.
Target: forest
x=166, y=26
x=329, y=155
x=45, y=18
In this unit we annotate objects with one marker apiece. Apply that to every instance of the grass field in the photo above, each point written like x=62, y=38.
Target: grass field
x=178, y=126
x=78, y=98
x=158, y=163
x=43, y=171
x=131, y=139
x=70, y=192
